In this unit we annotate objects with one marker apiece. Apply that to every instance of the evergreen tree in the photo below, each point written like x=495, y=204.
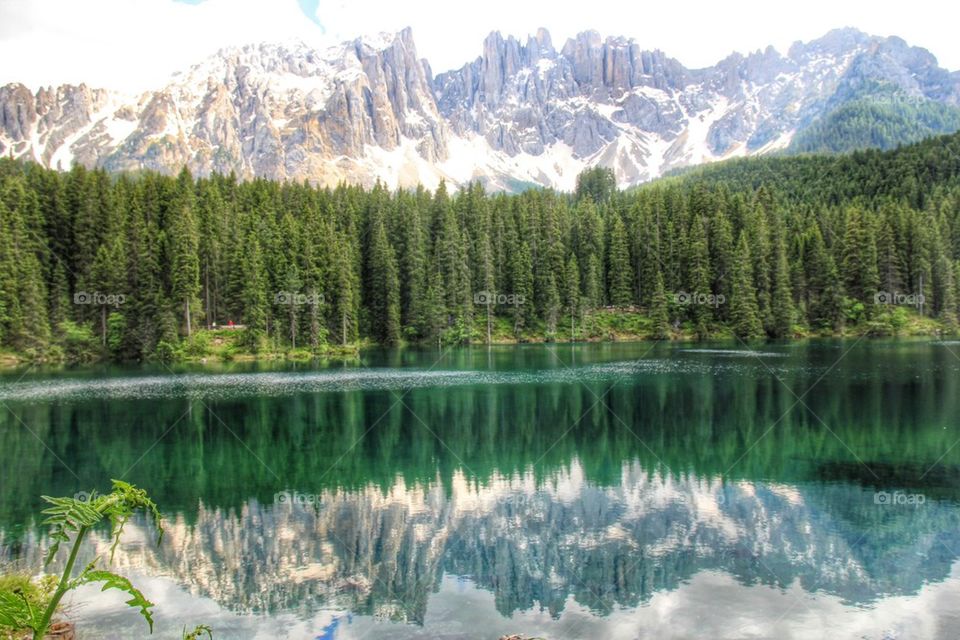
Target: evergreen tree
x=521, y=287
x=384, y=286
x=294, y=298
x=435, y=313
x=698, y=279
x=253, y=292
x=782, y=302
x=659, y=310
x=721, y=254
x=620, y=271
x=346, y=295
x=184, y=246
x=571, y=296
x=859, y=259
x=744, y=311
x=824, y=286
x=823, y=235
x=411, y=262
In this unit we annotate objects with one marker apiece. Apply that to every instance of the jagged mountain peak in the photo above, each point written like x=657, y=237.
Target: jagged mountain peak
x=523, y=112
x=834, y=42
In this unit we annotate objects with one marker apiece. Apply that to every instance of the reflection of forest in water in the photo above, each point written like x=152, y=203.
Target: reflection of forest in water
x=530, y=511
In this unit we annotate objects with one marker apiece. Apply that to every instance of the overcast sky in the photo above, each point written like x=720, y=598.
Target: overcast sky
x=136, y=44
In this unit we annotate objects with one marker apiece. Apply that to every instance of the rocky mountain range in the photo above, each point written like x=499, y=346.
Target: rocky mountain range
x=523, y=113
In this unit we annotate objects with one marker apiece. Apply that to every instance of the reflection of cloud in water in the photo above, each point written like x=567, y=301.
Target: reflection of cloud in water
x=709, y=605
x=647, y=540
x=232, y=385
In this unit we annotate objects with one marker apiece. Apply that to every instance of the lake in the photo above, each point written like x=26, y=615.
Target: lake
x=799, y=490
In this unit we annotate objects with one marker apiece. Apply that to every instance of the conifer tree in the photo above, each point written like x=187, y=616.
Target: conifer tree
x=293, y=296
x=572, y=292
x=782, y=301
x=620, y=271
x=435, y=315
x=721, y=258
x=859, y=259
x=384, y=286
x=659, y=309
x=346, y=295
x=698, y=283
x=521, y=288
x=253, y=292
x=184, y=246
x=824, y=286
x=744, y=311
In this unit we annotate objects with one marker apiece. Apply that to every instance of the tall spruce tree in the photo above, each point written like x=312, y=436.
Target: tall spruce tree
x=619, y=269
x=744, y=311
x=781, y=305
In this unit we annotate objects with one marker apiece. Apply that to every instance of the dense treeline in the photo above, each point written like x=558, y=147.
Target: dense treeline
x=763, y=247
x=878, y=117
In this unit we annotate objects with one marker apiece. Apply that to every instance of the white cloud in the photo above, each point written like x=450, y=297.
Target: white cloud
x=132, y=44
x=135, y=44
x=698, y=33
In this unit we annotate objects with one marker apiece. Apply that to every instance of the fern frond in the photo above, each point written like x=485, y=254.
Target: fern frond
x=111, y=580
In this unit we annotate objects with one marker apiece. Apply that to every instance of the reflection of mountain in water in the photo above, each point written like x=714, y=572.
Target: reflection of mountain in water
x=383, y=553
x=529, y=486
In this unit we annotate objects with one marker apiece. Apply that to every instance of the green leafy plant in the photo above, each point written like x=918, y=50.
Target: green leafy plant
x=198, y=632
x=71, y=519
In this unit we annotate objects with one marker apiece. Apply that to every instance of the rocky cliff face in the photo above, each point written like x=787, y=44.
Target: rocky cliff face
x=276, y=111
x=521, y=113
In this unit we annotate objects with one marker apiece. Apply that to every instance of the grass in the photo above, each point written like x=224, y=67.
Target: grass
x=601, y=325
x=625, y=325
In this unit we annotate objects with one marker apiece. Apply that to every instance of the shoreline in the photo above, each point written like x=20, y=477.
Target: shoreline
x=11, y=360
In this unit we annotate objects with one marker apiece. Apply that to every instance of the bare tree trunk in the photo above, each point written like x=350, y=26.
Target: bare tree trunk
x=314, y=323
x=293, y=326
x=186, y=314
x=206, y=291
x=489, y=321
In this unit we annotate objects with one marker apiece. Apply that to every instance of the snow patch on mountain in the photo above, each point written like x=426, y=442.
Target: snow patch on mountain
x=521, y=114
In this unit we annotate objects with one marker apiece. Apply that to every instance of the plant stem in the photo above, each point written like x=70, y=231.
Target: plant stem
x=41, y=631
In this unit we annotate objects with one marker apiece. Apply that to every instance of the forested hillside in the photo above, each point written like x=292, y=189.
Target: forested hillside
x=140, y=266
x=876, y=117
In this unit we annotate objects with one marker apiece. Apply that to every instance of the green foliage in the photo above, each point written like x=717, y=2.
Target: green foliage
x=71, y=515
x=598, y=184
x=165, y=352
x=198, y=345
x=744, y=313
x=20, y=598
x=659, y=310
x=116, y=329
x=296, y=266
x=620, y=274
x=111, y=580
x=70, y=519
x=198, y=632
x=879, y=117
x=79, y=343
x=854, y=311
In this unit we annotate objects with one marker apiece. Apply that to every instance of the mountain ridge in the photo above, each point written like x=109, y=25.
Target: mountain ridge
x=371, y=109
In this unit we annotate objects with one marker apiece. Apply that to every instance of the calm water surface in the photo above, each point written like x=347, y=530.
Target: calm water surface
x=803, y=490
